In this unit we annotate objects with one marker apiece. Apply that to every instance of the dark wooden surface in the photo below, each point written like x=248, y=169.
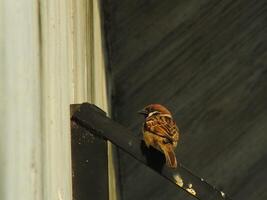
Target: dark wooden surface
x=95, y=121
x=207, y=62
x=89, y=164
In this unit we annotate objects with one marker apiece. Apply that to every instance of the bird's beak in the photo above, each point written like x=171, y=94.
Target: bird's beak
x=142, y=112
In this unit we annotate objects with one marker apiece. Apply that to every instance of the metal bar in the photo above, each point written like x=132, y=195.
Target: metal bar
x=95, y=120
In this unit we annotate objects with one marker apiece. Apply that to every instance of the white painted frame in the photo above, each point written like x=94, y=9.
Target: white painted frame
x=51, y=56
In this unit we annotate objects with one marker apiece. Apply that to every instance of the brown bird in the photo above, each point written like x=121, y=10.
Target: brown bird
x=160, y=131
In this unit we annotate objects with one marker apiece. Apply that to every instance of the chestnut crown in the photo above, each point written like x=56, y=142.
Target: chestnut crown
x=154, y=109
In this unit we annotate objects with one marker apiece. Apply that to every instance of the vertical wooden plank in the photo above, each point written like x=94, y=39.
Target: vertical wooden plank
x=56, y=75
x=45, y=65
x=89, y=78
x=89, y=165
x=20, y=124
x=100, y=90
x=80, y=32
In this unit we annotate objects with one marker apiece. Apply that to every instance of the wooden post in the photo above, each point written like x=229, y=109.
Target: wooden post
x=89, y=164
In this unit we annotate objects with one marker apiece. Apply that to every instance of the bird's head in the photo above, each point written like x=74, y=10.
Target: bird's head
x=154, y=109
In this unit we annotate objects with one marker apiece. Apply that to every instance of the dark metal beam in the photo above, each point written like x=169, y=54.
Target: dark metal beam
x=95, y=120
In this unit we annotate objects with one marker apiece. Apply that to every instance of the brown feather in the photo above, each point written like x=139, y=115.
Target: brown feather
x=162, y=126
x=160, y=131
x=169, y=155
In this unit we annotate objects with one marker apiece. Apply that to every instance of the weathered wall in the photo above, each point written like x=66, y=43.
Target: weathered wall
x=50, y=56
x=206, y=61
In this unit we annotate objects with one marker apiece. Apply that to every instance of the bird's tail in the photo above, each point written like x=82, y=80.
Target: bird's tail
x=169, y=155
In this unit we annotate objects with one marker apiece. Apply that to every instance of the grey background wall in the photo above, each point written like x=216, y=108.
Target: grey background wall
x=207, y=61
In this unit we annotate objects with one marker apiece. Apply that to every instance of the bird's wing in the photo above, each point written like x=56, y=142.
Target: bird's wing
x=163, y=126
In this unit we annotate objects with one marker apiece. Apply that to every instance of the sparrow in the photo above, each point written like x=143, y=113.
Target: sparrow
x=160, y=131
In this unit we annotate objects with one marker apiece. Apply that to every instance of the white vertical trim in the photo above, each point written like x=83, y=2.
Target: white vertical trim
x=51, y=56
x=100, y=90
x=80, y=32
x=56, y=71
x=20, y=124
x=89, y=67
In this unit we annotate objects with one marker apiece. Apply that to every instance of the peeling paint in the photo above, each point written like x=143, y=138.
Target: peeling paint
x=190, y=189
x=59, y=194
x=178, y=180
x=130, y=143
x=223, y=194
